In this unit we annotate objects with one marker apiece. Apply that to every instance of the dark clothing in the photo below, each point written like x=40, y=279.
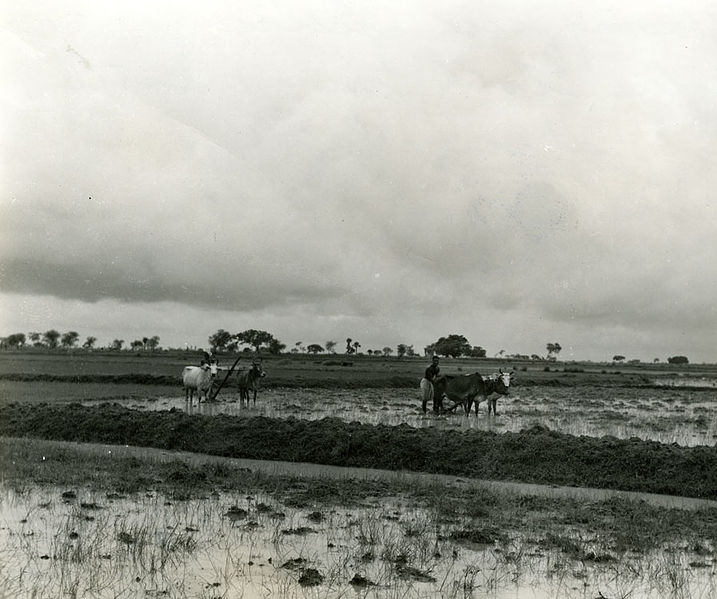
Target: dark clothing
x=432, y=372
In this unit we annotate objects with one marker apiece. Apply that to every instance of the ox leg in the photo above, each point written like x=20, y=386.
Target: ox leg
x=254, y=397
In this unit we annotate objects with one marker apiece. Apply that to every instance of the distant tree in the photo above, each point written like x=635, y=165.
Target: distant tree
x=410, y=352
x=535, y=357
x=153, y=342
x=136, y=345
x=51, y=338
x=500, y=353
x=349, y=349
x=300, y=346
x=16, y=340
x=387, y=351
x=656, y=360
x=678, y=360
x=330, y=346
x=220, y=340
x=275, y=347
x=356, y=346
x=401, y=350
x=254, y=338
x=314, y=348
x=453, y=345
x=369, y=352
x=477, y=352
x=618, y=358
x=36, y=339
x=89, y=342
x=429, y=350
x=145, y=341
x=69, y=339
x=553, y=350
x=117, y=344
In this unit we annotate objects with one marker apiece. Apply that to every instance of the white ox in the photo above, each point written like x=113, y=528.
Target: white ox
x=199, y=379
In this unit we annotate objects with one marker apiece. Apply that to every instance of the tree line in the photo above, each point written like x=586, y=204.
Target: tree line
x=223, y=341
x=53, y=339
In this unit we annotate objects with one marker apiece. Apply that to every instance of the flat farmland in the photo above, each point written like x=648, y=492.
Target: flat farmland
x=599, y=414
x=650, y=402
x=112, y=483
x=337, y=370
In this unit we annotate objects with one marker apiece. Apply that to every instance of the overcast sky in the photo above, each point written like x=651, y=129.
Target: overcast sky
x=517, y=172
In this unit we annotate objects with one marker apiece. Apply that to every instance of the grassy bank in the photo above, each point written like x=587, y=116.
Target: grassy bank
x=536, y=455
x=622, y=524
x=303, y=371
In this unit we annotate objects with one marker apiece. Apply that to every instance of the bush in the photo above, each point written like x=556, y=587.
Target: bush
x=678, y=360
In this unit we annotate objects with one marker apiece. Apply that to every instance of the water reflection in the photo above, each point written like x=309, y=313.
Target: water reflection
x=668, y=415
x=53, y=544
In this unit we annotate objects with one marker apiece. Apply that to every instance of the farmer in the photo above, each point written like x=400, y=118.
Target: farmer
x=427, y=384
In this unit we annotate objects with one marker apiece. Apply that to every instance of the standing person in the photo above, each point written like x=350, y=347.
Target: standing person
x=427, y=384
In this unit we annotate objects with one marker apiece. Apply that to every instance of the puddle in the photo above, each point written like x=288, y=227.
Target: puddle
x=59, y=543
x=683, y=381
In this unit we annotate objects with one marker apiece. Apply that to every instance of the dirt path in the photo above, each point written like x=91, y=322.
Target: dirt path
x=336, y=472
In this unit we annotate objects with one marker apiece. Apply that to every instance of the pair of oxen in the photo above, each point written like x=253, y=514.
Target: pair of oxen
x=202, y=379
x=465, y=390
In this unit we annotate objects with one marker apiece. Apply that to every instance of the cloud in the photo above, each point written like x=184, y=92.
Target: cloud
x=455, y=165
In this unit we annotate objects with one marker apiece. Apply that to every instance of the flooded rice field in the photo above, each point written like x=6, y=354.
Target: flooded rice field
x=666, y=414
x=76, y=543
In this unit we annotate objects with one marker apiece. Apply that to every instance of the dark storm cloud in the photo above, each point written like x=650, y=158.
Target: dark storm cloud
x=241, y=291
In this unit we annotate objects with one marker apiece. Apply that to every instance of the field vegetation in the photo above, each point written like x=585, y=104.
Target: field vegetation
x=85, y=516
x=100, y=521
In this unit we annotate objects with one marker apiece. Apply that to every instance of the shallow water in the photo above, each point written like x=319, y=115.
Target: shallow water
x=669, y=415
x=230, y=545
x=702, y=382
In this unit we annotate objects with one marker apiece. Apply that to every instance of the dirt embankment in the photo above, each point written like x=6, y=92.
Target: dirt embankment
x=536, y=455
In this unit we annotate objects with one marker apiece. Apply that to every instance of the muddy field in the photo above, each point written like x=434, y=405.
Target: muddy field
x=650, y=429
x=677, y=410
